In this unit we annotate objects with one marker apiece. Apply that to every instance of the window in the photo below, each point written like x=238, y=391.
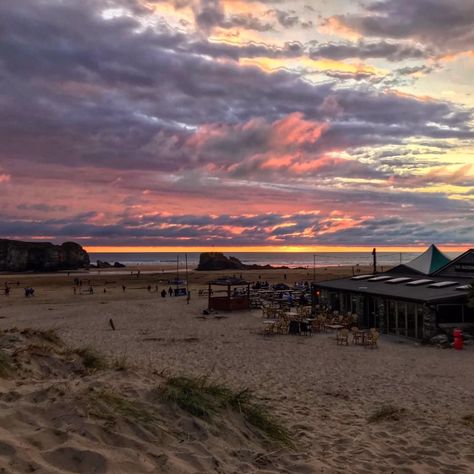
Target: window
x=402, y=318
x=411, y=320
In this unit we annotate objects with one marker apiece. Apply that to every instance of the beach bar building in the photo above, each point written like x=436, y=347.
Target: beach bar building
x=231, y=294
x=415, y=299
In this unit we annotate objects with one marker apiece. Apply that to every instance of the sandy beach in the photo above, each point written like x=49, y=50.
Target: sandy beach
x=332, y=399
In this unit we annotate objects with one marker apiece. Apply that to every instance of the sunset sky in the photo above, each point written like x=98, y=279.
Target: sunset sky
x=237, y=123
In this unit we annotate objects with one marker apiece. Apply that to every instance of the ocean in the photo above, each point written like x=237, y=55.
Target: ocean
x=291, y=260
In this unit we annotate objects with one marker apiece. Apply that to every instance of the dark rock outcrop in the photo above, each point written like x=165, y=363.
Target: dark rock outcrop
x=101, y=264
x=209, y=261
x=17, y=256
x=218, y=261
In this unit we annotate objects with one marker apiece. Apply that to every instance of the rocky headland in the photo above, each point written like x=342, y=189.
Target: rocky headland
x=18, y=256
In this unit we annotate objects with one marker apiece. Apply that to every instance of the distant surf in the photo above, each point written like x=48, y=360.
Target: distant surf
x=291, y=260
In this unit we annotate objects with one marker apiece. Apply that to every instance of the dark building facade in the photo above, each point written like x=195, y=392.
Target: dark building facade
x=414, y=300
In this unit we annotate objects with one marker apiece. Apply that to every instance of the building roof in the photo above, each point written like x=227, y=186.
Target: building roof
x=461, y=266
x=430, y=261
x=403, y=289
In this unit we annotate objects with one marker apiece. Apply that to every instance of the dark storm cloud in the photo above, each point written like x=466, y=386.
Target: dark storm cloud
x=446, y=25
x=106, y=94
x=364, y=50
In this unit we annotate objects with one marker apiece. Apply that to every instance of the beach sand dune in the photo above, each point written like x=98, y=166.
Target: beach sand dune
x=401, y=408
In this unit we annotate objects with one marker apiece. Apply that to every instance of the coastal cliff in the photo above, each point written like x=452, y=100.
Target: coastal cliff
x=18, y=256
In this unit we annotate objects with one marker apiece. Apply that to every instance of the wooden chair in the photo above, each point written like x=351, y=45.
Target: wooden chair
x=316, y=326
x=282, y=326
x=305, y=328
x=356, y=336
x=343, y=337
x=372, y=338
x=269, y=329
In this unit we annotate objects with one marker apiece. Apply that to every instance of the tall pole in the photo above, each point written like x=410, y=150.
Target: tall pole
x=177, y=271
x=187, y=279
x=314, y=268
x=374, y=254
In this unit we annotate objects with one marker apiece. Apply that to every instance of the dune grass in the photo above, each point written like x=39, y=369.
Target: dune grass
x=117, y=405
x=6, y=367
x=91, y=358
x=204, y=399
x=120, y=363
x=386, y=413
x=48, y=335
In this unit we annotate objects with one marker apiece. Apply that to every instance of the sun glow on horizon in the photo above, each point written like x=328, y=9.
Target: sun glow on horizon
x=269, y=249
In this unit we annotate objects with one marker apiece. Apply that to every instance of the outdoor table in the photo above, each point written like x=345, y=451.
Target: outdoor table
x=335, y=326
x=270, y=321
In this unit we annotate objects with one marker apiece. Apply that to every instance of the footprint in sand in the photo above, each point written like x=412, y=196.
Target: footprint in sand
x=70, y=459
x=6, y=449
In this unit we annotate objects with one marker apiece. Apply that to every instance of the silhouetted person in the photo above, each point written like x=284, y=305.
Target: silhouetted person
x=163, y=293
x=170, y=291
x=123, y=288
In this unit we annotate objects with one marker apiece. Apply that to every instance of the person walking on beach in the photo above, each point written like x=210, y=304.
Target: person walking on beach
x=170, y=291
x=163, y=293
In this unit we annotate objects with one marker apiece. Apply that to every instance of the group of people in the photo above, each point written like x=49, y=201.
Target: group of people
x=29, y=291
x=170, y=292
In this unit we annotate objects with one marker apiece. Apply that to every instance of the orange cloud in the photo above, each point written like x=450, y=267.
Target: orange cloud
x=334, y=26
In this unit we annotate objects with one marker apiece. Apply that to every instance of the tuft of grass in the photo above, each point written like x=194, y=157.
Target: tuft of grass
x=42, y=349
x=124, y=407
x=120, y=363
x=6, y=367
x=386, y=413
x=204, y=399
x=49, y=335
x=91, y=359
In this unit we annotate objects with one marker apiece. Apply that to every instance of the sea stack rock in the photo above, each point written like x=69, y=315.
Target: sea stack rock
x=17, y=256
x=209, y=261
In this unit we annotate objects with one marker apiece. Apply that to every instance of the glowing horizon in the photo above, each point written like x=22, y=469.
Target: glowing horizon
x=276, y=249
